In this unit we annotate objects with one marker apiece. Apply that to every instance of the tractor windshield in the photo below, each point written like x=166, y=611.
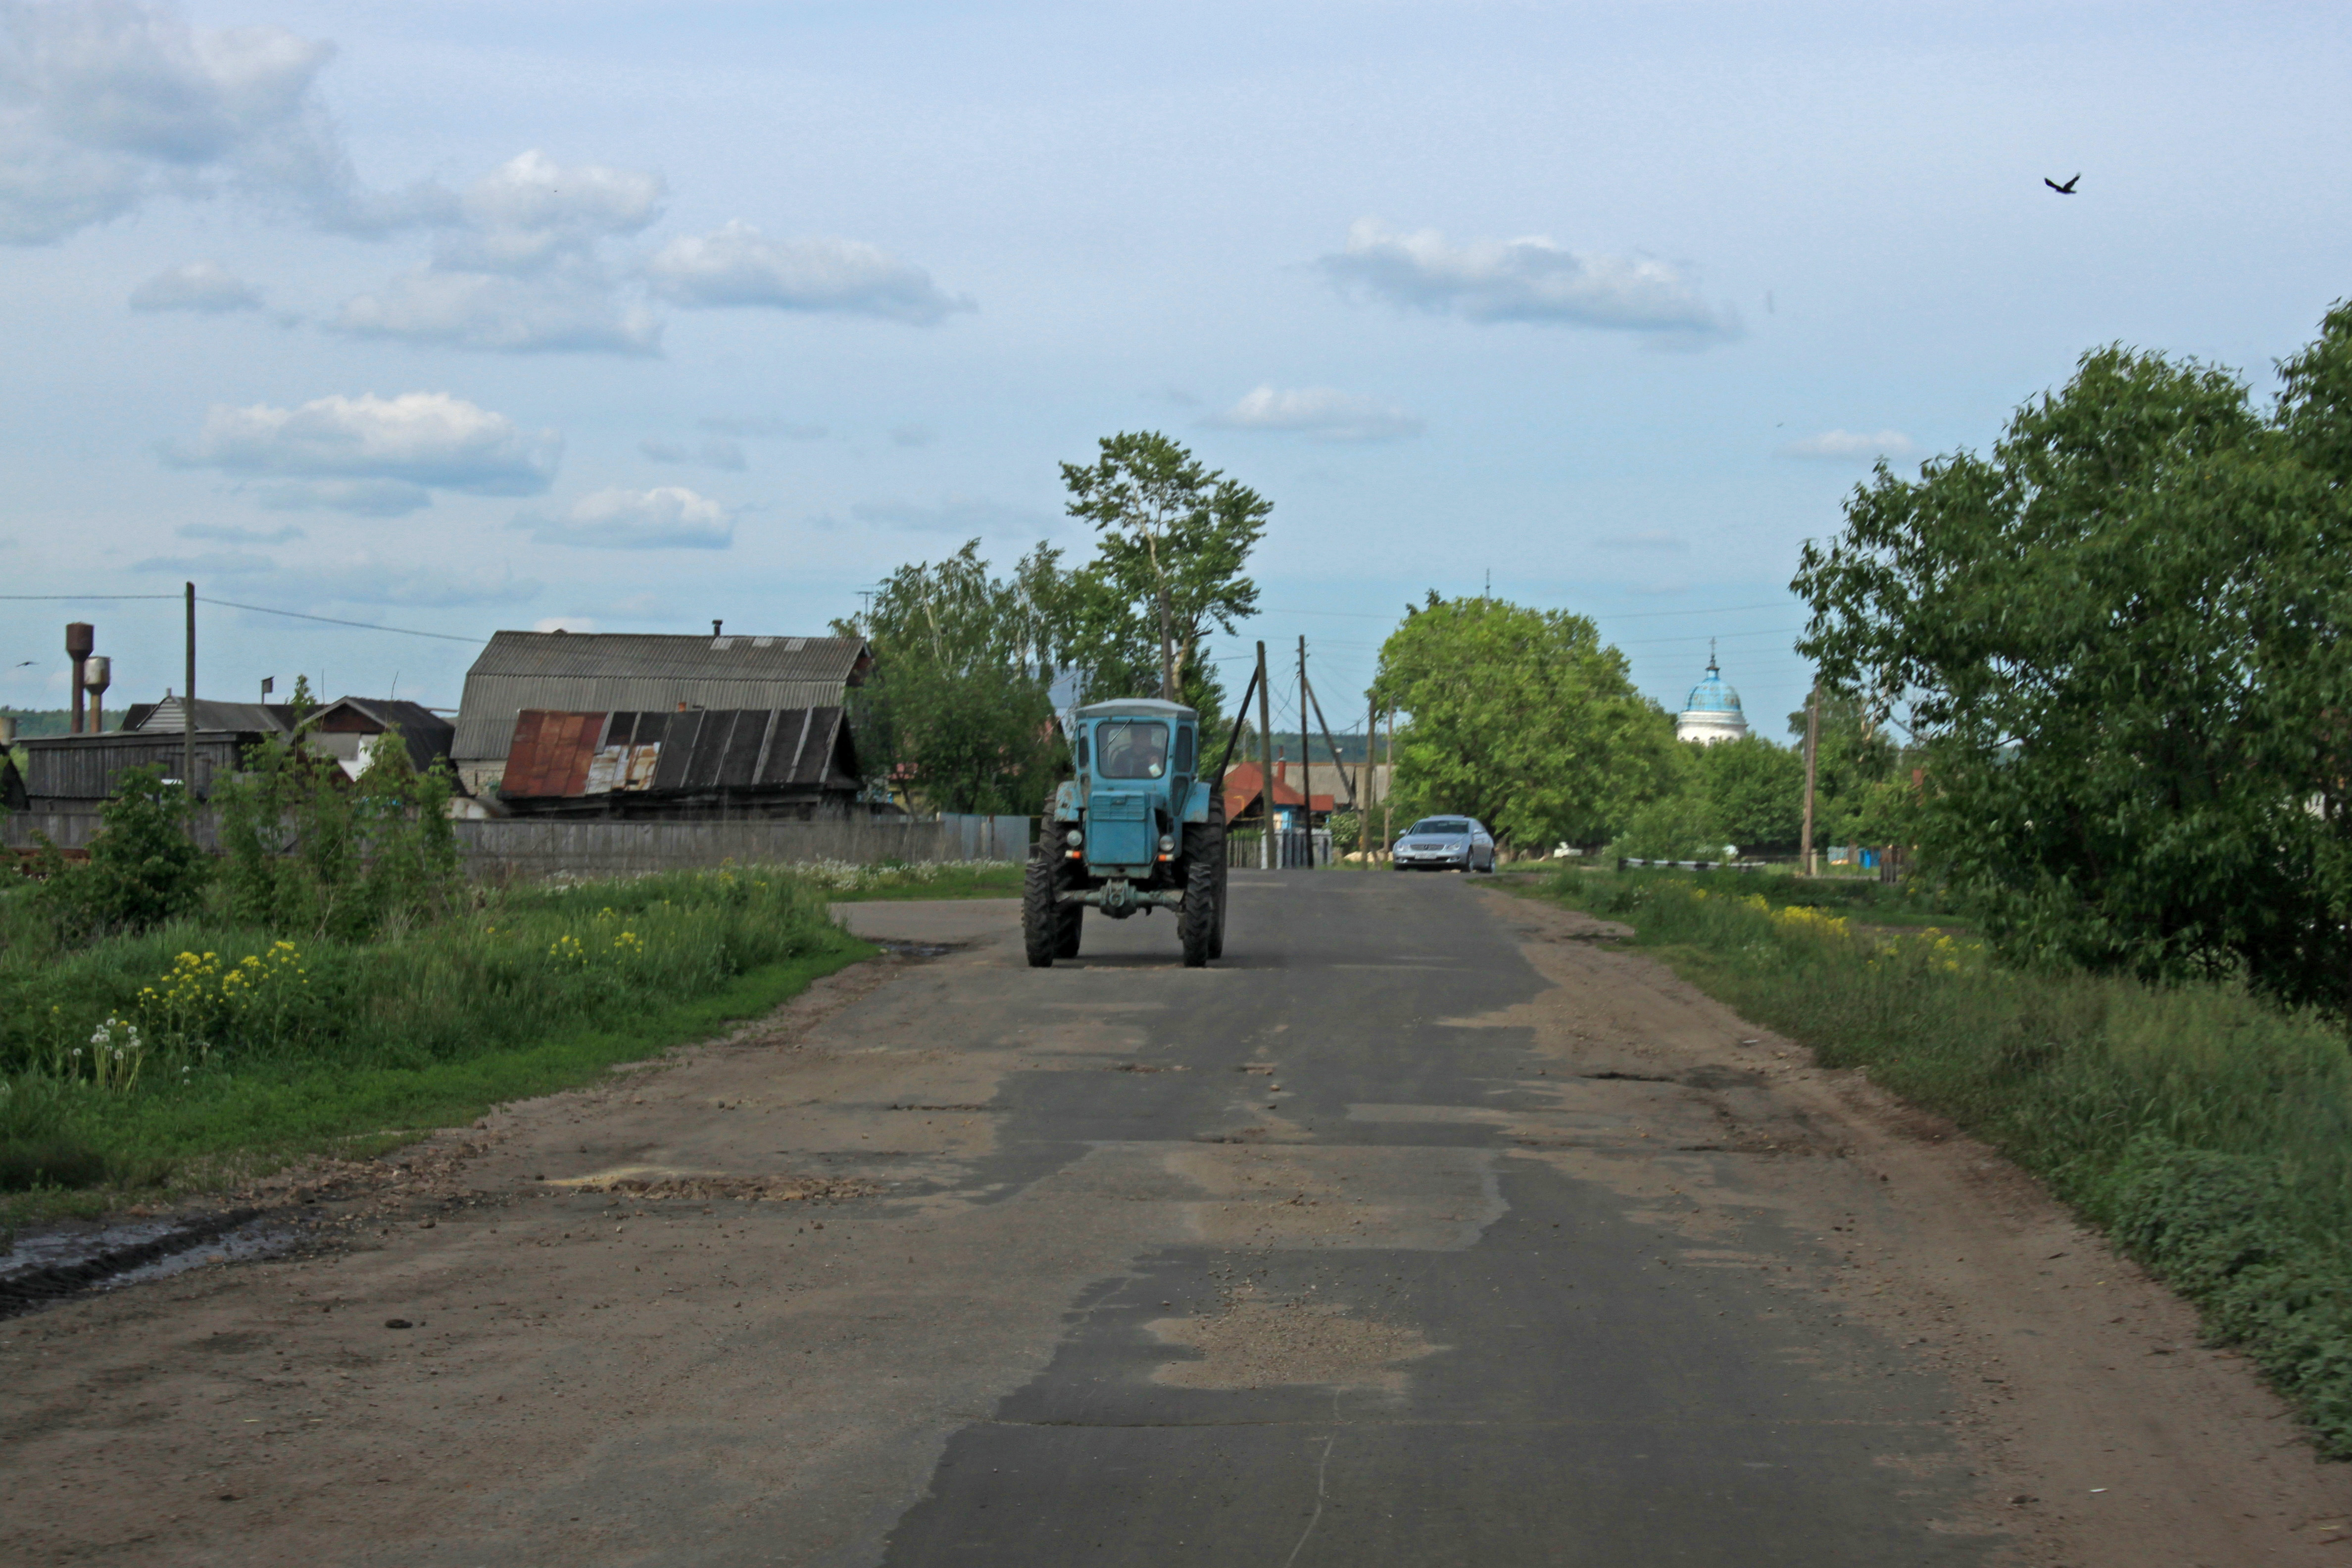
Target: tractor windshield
x=1132, y=748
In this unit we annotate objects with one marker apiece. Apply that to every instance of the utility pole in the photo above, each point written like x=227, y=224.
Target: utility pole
x=1306, y=762
x=1387, y=806
x=1364, y=818
x=1813, y=755
x=1265, y=767
x=188, y=708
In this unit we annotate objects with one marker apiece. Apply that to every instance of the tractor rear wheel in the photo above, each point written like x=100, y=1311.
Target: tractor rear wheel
x=1065, y=936
x=1217, y=822
x=1041, y=915
x=1202, y=922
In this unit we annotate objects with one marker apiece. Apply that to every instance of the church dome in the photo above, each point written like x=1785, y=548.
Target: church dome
x=1712, y=695
x=1712, y=712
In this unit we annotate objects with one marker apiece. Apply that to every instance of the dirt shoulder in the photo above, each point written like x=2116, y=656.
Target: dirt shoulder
x=2107, y=1432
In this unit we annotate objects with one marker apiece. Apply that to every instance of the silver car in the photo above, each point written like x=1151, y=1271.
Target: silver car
x=1445, y=844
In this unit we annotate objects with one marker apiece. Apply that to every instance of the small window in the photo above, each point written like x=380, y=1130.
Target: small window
x=1081, y=748
x=1183, y=763
x=1133, y=749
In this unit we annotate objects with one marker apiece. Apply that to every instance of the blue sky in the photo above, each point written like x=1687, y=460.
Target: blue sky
x=460, y=316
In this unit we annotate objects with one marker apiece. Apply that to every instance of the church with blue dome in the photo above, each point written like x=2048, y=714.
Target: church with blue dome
x=1712, y=713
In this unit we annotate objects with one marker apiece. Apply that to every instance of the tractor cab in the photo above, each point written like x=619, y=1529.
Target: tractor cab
x=1134, y=830
x=1136, y=760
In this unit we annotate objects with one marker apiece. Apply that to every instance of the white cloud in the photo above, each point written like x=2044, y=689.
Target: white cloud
x=518, y=271
x=1530, y=279
x=564, y=624
x=1322, y=413
x=668, y=517
x=195, y=286
x=533, y=211
x=964, y=515
x=556, y=313
x=106, y=103
x=226, y=534
x=1853, y=446
x=738, y=265
x=421, y=439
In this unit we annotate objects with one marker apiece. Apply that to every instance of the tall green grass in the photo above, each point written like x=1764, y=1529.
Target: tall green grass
x=2207, y=1133
x=238, y=1049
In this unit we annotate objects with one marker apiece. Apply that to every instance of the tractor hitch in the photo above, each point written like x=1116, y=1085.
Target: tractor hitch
x=1119, y=899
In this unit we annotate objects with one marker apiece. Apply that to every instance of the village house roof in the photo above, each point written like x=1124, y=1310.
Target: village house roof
x=592, y=672
x=1242, y=781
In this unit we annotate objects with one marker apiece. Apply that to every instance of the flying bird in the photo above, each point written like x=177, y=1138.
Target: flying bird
x=2065, y=189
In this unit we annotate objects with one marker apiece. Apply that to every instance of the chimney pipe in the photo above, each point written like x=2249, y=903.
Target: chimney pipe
x=715, y=625
x=81, y=637
x=97, y=674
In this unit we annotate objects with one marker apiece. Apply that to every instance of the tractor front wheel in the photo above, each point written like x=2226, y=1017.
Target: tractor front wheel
x=1202, y=922
x=1041, y=913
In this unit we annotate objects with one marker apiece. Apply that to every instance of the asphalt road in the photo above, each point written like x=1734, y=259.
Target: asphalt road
x=1430, y=1227
x=1573, y=1382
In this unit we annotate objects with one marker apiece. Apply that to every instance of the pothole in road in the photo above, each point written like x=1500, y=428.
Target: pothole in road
x=1257, y=1344
x=41, y=1270
x=652, y=1181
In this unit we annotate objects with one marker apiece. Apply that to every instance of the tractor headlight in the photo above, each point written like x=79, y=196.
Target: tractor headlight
x=1167, y=845
x=1073, y=838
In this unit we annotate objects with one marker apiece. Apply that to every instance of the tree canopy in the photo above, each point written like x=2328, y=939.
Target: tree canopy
x=968, y=668
x=1521, y=718
x=959, y=707
x=2120, y=640
x=1174, y=536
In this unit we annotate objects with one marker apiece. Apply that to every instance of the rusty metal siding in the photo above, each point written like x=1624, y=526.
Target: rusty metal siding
x=618, y=672
x=552, y=754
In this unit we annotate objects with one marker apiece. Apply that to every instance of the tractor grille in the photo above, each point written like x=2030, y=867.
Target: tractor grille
x=1118, y=830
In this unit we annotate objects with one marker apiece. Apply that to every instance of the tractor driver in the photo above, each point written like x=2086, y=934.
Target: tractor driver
x=1134, y=750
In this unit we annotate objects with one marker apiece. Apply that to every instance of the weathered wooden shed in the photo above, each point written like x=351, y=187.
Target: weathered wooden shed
x=606, y=672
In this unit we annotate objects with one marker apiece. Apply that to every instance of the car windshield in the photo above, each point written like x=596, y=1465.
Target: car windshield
x=1441, y=824
x=1132, y=748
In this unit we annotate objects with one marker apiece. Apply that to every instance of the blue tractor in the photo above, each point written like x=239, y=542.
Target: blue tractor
x=1137, y=828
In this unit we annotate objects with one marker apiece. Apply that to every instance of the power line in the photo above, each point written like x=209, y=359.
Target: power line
x=329, y=620
x=257, y=609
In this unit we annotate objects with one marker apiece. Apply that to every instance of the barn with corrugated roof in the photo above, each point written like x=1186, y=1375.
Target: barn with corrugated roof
x=617, y=672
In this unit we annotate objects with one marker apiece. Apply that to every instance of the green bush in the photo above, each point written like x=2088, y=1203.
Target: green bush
x=306, y=851
x=2209, y=1133
x=143, y=868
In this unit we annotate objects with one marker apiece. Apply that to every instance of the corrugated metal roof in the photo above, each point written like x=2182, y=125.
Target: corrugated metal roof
x=582, y=672
x=247, y=717
x=556, y=754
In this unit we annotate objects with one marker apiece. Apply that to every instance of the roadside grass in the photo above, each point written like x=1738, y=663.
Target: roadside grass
x=959, y=879
x=147, y=1067
x=2210, y=1136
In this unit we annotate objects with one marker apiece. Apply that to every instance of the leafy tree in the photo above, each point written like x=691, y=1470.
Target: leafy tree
x=2121, y=636
x=1521, y=718
x=1174, y=536
x=960, y=696
x=305, y=849
x=1755, y=792
x=143, y=868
